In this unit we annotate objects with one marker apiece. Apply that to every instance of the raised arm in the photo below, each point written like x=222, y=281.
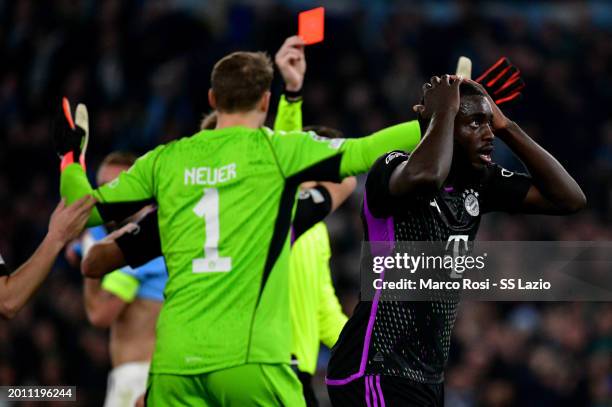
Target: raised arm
x=66, y=223
x=427, y=167
x=314, y=158
x=135, y=187
x=291, y=62
x=554, y=191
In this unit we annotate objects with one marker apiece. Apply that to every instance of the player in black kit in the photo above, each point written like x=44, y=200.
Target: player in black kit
x=393, y=353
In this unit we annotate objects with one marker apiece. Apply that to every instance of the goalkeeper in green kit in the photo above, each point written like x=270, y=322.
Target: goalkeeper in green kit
x=225, y=202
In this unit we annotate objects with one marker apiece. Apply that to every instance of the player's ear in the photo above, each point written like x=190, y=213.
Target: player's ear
x=264, y=104
x=212, y=100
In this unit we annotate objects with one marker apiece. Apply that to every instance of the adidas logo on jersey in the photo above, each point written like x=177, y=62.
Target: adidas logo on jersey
x=378, y=357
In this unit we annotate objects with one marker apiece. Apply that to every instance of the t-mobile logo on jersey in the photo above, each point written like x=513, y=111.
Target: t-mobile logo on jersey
x=459, y=242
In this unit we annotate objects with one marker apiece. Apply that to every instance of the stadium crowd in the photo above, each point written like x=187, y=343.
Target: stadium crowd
x=142, y=69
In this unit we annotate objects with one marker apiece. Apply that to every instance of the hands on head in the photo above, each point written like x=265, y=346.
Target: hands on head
x=442, y=94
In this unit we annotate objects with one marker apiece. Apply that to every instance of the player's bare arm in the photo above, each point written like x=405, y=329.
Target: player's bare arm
x=66, y=223
x=421, y=172
x=554, y=192
x=105, y=256
x=102, y=307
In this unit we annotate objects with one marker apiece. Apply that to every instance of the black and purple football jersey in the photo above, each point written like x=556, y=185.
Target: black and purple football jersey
x=411, y=339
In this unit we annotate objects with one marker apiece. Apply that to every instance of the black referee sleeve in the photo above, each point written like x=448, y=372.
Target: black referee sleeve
x=313, y=205
x=143, y=244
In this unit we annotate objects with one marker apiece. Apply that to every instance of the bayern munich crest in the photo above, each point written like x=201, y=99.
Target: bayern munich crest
x=470, y=202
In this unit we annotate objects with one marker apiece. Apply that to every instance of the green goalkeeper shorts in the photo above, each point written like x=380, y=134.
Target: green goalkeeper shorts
x=246, y=385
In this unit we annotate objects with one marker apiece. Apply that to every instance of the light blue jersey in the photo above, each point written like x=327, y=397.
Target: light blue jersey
x=145, y=282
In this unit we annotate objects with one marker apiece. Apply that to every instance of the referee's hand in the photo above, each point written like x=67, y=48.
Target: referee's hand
x=291, y=62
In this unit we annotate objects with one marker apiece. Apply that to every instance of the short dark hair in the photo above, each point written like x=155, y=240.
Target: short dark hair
x=209, y=121
x=469, y=89
x=240, y=79
x=119, y=158
x=325, y=131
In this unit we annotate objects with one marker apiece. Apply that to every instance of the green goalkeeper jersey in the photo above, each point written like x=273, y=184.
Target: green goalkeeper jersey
x=225, y=201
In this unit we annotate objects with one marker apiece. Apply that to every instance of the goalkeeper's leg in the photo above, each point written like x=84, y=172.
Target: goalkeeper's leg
x=247, y=385
x=176, y=391
x=255, y=385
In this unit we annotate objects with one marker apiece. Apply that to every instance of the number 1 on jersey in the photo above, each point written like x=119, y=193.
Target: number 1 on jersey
x=208, y=208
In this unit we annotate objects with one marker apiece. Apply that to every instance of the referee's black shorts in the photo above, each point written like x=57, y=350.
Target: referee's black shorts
x=386, y=391
x=306, y=379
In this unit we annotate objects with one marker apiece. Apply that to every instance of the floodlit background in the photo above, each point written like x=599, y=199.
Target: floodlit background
x=143, y=69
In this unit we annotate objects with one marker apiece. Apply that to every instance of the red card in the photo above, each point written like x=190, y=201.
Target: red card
x=311, y=25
